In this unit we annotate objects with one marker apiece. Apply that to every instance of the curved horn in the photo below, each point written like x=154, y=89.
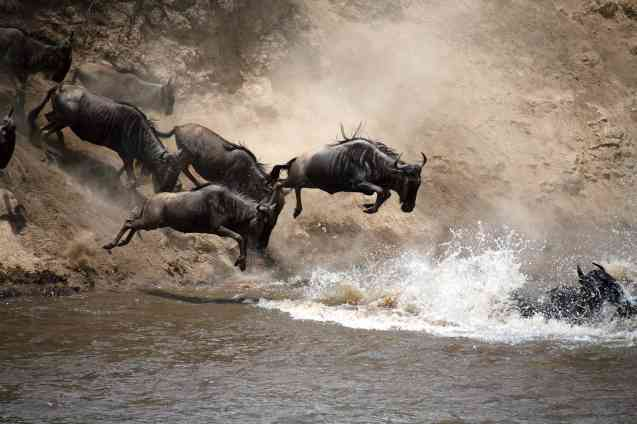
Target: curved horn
x=343, y=132
x=424, y=159
x=600, y=267
x=580, y=273
x=397, y=163
x=360, y=125
x=10, y=114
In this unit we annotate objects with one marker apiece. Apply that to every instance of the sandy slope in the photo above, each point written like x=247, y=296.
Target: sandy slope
x=526, y=110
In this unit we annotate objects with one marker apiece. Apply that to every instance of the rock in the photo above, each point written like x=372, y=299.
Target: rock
x=608, y=10
x=12, y=211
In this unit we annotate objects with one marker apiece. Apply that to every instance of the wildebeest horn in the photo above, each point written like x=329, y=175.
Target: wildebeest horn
x=343, y=132
x=10, y=114
x=424, y=159
x=397, y=163
x=600, y=267
x=580, y=273
x=360, y=125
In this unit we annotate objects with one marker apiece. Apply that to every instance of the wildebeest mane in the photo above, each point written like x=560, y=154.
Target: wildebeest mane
x=230, y=146
x=38, y=36
x=237, y=193
x=389, y=151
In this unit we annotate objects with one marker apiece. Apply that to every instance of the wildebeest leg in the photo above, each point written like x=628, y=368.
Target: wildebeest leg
x=381, y=195
x=191, y=177
x=380, y=199
x=128, y=238
x=299, y=205
x=21, y=89
x=115, y=242
x=241, y=260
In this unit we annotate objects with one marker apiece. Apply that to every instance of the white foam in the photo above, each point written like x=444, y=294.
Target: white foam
x=464, y=294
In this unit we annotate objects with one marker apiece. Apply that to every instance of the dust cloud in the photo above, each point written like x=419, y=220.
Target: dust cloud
x=484, y=89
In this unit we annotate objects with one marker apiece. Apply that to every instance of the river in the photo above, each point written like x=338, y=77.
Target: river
x=417, y=357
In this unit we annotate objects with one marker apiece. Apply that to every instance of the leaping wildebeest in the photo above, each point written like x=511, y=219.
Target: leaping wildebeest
x=22, y=55
x=124, y=86
x=7, y=139
x=211, y=209
x=581, y=304
x=356, y=165
x=222, y=162
x=119, y=126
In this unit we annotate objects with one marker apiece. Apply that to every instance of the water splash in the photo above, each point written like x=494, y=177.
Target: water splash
x=464, y=293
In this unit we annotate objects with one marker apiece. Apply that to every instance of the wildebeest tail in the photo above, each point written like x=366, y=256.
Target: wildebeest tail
x=33, y=115
x=276, y=171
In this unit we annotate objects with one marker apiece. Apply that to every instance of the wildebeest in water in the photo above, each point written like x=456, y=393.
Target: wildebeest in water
x=7, y=139
x=356, y=165
x=22, y=55
x=222, y=162
x=124, y=86
x=119, y=126
x=583, y=303
x=211, y=209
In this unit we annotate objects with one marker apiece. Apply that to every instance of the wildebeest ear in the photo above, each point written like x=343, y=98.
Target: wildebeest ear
x=580, y=273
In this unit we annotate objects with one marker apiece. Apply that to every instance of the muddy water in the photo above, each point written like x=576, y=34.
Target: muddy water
x=107, y=357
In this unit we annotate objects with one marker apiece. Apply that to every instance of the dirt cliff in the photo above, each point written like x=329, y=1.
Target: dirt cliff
x=525, y=109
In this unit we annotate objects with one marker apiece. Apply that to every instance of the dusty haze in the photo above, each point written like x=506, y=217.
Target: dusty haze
x=525, y=110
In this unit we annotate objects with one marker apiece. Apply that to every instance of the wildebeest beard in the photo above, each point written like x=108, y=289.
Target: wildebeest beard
x=166, y=172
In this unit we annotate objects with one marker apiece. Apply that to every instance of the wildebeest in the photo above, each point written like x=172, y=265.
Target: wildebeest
x=211, y=209
x=119, y=126
x=356, y=165
x=124, y=86
x=7, y=139
x=223, y=162
x=583, y=303
x=22, y=55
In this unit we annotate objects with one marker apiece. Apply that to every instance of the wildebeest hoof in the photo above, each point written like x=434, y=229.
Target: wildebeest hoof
x=370, y=210
x=108, y=247
x=297, y=212
x=241, y=263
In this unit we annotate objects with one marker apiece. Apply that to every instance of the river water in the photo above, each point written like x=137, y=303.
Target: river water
x=422, y=341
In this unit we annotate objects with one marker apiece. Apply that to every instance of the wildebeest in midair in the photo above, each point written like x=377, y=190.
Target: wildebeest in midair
x=22, y=55
x=119, y=126
x=7, y=139
x=223, y=162
x=583, y=303
x=357, y=165
x=124, y=86
x=211, y=209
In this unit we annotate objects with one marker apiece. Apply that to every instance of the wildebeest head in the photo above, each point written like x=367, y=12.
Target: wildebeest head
x=7, y=129
x=602, y=286
x=62, y=60
x=166, y=172
x=407, y=182
x=168, y=97
x=268, y=211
